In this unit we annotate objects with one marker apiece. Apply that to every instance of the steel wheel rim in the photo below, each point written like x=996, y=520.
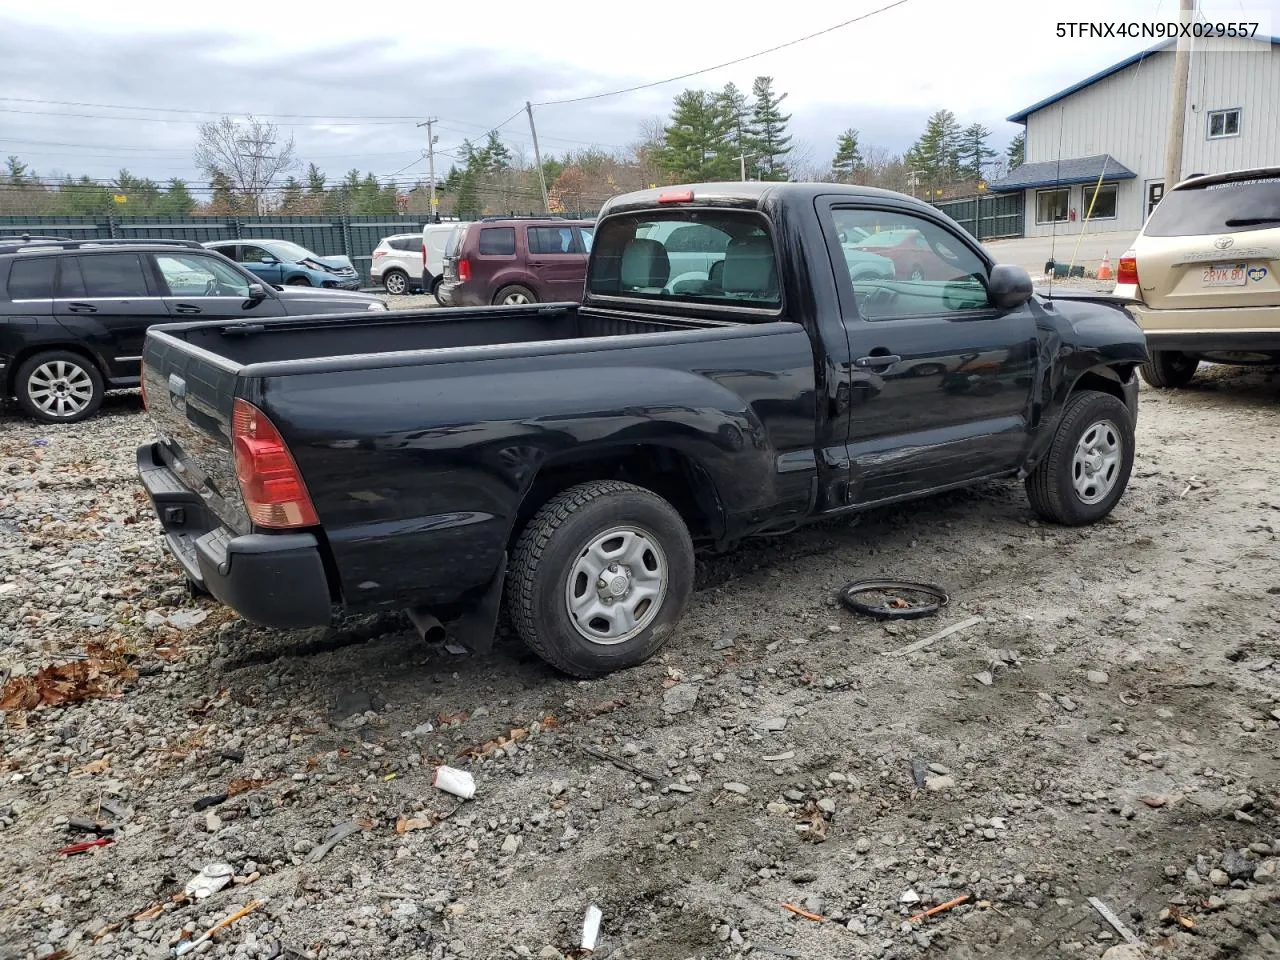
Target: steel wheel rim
x=617, y=585
x=60, y=388
x=1095, y=466
x=917, y=274
x=515, y=299
x=395, y=283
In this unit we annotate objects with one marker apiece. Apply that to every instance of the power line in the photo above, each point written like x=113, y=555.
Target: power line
x=209, y=113
x=727, y=63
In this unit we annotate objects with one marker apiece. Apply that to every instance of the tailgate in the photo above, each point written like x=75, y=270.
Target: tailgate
x=1213, y=243
x=190, y=393
x=1178, y=273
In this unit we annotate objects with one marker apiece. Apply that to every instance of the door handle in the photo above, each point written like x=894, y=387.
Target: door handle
x=82, y=308
x=186, y=308
x=879, y=360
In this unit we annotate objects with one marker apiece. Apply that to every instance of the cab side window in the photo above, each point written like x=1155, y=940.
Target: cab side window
x=902, y=266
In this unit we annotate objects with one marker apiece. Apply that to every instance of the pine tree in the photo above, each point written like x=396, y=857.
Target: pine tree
x=225, y=199
x=467, y=204
x=177, y=200
x=934, y=154
x=315, y=181
x=496, y=154
x=1017, y=151
x=973, y=154
x=17, y=172
x=291, y=195
x=734, y=103
x=769, y=129
x=697, y=146
x=848, y=162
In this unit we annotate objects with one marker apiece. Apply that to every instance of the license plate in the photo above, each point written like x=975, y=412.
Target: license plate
x=1225, y=275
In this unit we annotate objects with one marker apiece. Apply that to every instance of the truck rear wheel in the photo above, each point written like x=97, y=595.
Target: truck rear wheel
x=599, y=577
x=1169, y=368
x=1086, y=469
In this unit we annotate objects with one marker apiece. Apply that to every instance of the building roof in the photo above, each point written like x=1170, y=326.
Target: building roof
x=1060, y=173
x=1021, y=115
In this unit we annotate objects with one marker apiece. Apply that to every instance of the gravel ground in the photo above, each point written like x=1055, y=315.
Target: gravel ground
x=1108, y=729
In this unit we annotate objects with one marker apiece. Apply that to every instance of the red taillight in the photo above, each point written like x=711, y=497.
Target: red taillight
x=269, y=479
x=379, y=253
x=1128, y=272
x=681, y=196
x=424, y=256
x=142, y=382
x=464, y=270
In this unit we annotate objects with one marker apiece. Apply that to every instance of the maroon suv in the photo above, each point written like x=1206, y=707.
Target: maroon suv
x=508, y=261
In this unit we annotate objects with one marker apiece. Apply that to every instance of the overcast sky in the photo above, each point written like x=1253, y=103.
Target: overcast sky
x=370, y=71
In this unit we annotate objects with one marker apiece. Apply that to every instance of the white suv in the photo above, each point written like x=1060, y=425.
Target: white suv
x=397, y=263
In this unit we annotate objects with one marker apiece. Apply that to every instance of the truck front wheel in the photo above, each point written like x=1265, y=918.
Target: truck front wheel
x=599, y=578
x=1085, y=471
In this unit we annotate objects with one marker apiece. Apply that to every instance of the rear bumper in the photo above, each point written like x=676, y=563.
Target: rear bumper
x=1210, y=329
x=272, y=579
x=455, y=294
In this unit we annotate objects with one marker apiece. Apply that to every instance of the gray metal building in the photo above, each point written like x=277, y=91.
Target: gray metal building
x=1114, y=125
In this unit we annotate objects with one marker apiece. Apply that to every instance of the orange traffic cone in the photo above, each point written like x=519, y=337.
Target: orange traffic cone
x=1104, y=271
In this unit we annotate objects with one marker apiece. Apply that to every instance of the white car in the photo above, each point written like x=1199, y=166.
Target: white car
x=397, y=263
x=431, y=262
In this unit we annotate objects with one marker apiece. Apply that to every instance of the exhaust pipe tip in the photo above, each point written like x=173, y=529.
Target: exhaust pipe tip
x=429, y=628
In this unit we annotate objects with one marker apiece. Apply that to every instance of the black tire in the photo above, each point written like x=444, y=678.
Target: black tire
x=515, y=291
x=73, y=372
x=297, y=282
x=1169, y=369
x=435, y=288
x=541, y=575
x=917, y=273
x=1051, y=487
x=395, y=282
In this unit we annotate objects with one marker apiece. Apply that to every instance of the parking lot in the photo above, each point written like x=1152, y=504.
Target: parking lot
x=1108, y=729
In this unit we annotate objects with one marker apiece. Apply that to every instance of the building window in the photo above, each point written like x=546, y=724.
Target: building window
x=1224, y=123
x=1104, y=207
x=1051, y=206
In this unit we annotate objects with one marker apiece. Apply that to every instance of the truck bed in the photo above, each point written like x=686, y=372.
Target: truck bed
x=309, y=338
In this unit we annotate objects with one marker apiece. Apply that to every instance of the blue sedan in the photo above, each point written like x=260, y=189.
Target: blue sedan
x=281, y=262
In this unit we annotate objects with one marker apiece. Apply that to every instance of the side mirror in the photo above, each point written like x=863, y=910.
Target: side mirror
x=257, y=292
x=1009, y=286
x=268, y=261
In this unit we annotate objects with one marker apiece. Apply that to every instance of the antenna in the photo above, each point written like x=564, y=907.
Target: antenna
x=1057, y=181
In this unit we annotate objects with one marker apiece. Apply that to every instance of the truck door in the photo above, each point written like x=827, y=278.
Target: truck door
x=941, y=381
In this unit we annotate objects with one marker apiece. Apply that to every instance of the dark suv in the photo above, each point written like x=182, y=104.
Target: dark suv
x=510, y=261
x=74, y=313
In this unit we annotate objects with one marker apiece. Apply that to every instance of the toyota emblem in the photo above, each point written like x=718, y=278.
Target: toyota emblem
x=1223, y=242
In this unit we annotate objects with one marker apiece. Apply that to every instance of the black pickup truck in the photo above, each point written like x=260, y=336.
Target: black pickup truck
x=753, y=378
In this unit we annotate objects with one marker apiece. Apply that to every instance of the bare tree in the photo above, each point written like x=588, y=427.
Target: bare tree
x=249, y=153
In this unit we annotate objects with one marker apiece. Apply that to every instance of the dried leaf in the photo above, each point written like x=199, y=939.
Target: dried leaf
x=101, y=765
x=458, y=717
x=604, y=706
x=101, y=674
x=549, y=722
x=405, y=824
x=244, y=786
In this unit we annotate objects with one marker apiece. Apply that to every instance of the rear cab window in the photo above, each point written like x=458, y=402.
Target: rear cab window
x=723, y=257
x=1233, y=207
x=497, y=242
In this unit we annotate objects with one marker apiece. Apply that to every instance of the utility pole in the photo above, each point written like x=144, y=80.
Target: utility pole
x=537, y=157
x=1178, y=100
x=431, y=165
